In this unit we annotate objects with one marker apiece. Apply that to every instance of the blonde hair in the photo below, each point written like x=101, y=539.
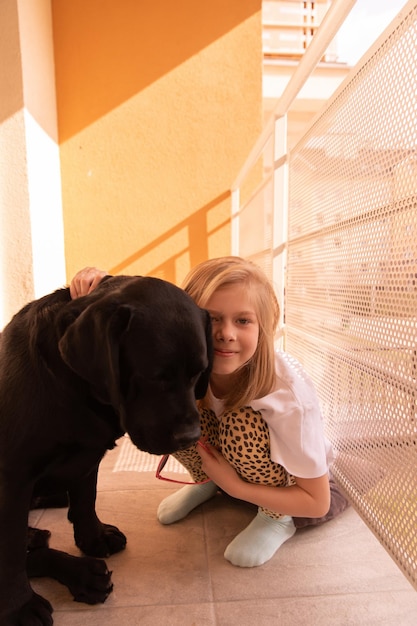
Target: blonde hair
x=256, y=378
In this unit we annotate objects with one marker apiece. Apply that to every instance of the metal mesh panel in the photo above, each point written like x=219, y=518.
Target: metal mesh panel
x=255, y=216
x=256, y=228
x=351, y=292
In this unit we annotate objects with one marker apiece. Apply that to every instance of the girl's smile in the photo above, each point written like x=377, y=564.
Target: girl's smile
x=224, y=353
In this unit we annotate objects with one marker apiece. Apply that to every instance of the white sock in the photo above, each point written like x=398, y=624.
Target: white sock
x=260, y=540
x=177, y=505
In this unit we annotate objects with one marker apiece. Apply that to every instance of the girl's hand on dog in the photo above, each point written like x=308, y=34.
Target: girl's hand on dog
x=85, y=281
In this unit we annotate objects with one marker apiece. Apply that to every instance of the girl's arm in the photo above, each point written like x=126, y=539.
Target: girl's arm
x=85, y=281
x=309, y=497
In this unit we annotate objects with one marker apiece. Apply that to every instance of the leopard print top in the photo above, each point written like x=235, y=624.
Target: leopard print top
x=243, y=438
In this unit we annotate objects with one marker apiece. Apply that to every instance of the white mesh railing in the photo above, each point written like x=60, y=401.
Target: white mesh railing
x=349, y=255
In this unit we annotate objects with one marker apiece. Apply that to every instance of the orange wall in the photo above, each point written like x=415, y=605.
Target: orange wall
x=159, y=103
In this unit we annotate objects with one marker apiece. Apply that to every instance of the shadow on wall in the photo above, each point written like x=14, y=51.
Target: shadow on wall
x=123, y=44
x=197, y=234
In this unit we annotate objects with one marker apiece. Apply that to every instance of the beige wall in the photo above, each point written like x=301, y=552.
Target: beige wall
x=158, y=105
x=31, y=235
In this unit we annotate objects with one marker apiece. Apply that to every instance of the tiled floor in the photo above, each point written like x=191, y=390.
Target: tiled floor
x=336, y=574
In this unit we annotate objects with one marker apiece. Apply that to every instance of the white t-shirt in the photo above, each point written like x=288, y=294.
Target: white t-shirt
x=292, y=413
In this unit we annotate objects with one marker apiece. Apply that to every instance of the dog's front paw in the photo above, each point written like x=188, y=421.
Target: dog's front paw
x=36, y=611
x=88, y=579
x=114, y=538
x=109, y=541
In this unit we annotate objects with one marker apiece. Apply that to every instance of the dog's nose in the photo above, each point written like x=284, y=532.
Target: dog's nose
x=186, y=436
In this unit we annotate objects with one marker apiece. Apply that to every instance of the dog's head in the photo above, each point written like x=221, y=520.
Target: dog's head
x=144, y=347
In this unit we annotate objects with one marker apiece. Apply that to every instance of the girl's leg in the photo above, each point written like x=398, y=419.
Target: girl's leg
x=177, y=505
x=244, y=441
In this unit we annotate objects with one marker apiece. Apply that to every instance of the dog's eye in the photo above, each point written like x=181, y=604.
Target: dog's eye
x=163, y=378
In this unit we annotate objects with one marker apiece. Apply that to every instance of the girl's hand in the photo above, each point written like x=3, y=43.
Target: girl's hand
x=218, y=469
x=308, y=497
x=85, y=281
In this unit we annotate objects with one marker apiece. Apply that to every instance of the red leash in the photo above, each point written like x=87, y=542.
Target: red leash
x=164, y=461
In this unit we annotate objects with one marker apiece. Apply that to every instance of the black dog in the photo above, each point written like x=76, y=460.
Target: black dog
x=74, y=376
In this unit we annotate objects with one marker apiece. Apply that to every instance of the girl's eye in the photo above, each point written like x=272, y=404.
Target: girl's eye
x=244, y=320
x=214, y=318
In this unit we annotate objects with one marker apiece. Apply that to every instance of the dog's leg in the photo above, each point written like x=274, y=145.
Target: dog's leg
x=18, y=602
x=92, y=536
x=88, y=579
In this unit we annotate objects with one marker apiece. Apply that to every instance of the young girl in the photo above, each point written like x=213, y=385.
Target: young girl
x=260, y=420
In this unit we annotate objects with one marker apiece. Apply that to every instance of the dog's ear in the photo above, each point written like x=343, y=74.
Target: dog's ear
x=203, y=381
x=90, y=347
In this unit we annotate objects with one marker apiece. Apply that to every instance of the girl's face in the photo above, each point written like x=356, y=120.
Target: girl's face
x=235, y=328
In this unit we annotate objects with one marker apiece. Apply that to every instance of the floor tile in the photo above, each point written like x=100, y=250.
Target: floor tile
x=336, y=574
